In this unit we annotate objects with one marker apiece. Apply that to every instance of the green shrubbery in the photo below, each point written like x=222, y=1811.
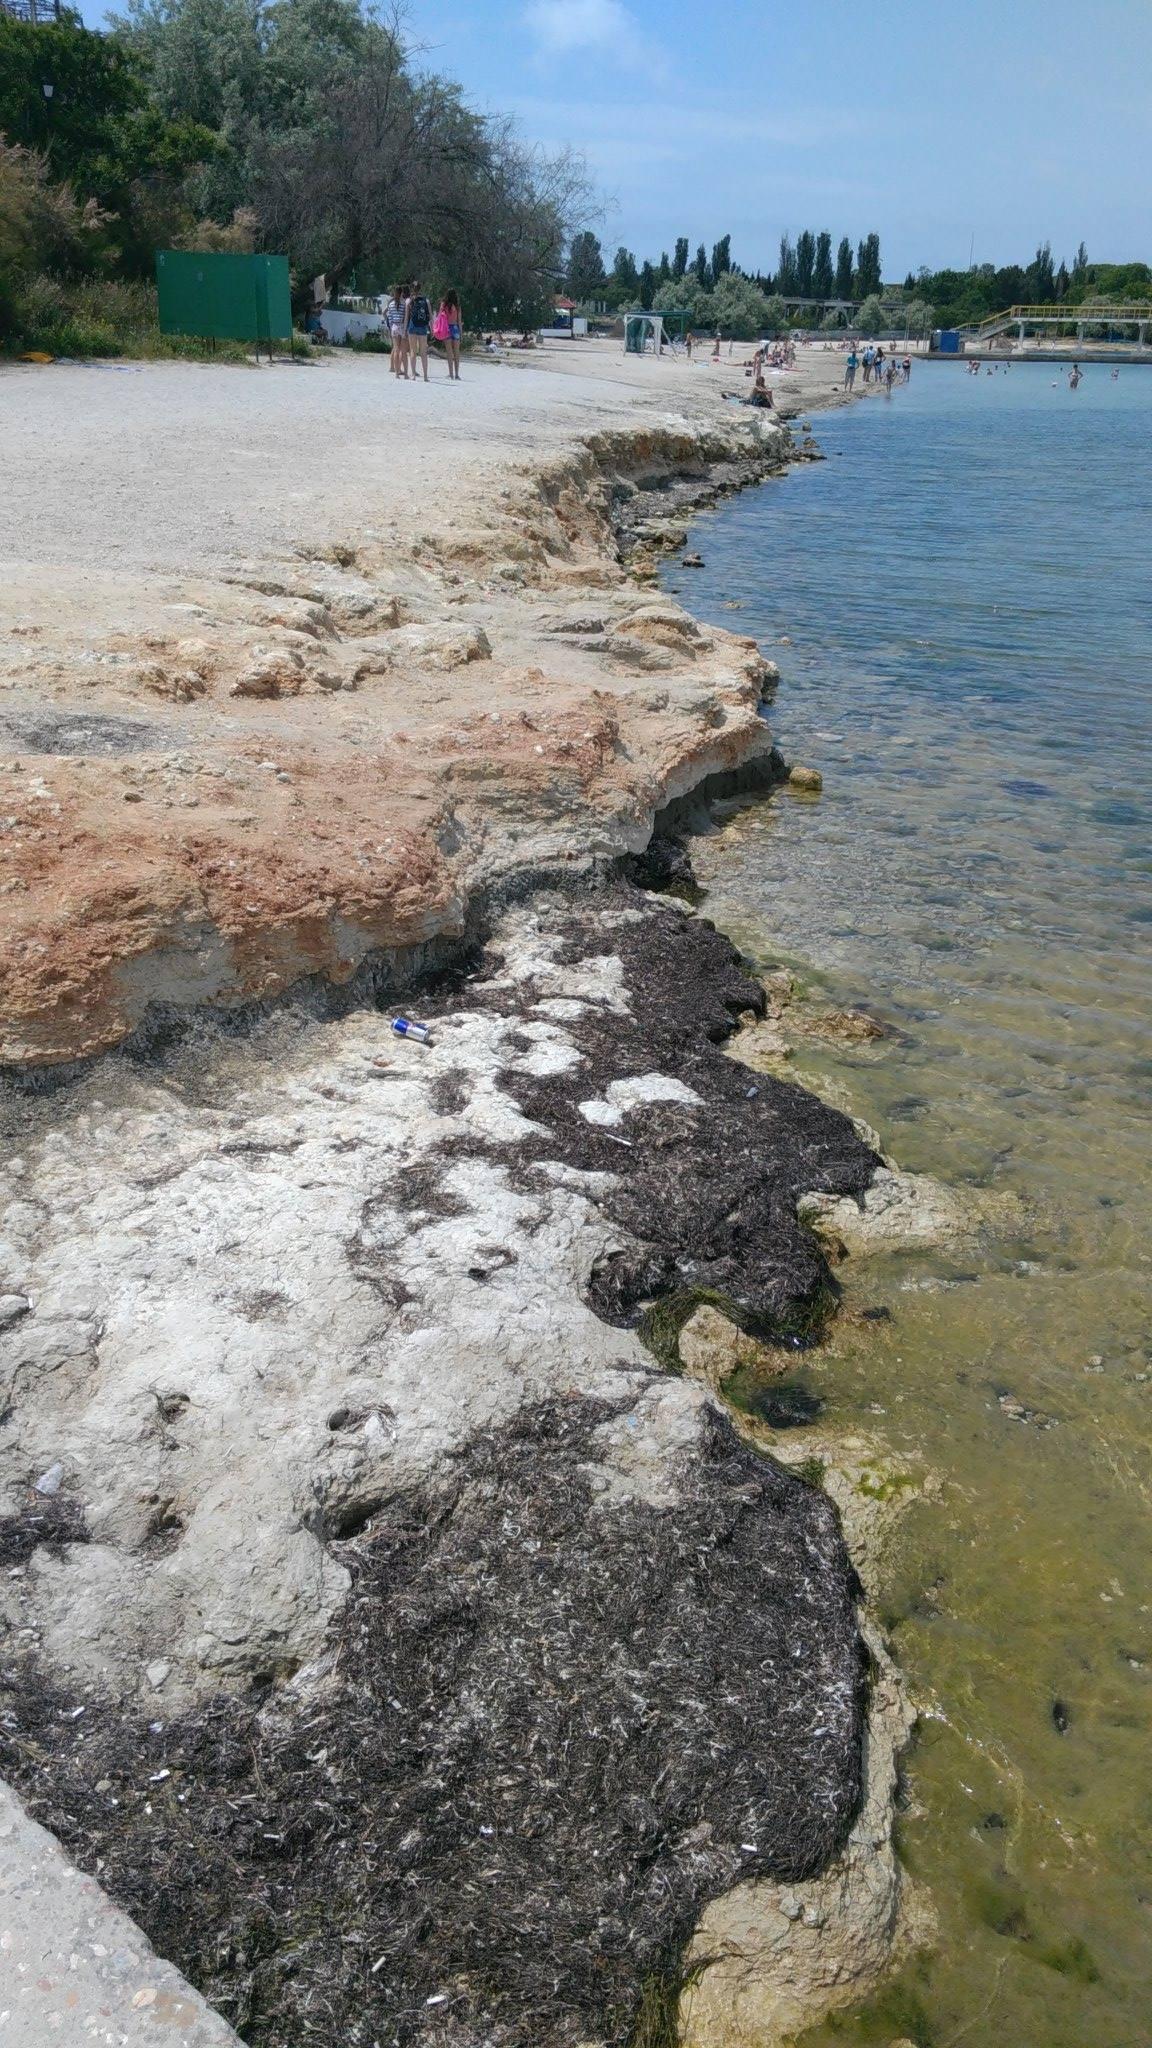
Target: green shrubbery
x=58, y=289
x=736, y=305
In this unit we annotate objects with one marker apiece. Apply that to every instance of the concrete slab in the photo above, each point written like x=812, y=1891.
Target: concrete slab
x=75, y=1972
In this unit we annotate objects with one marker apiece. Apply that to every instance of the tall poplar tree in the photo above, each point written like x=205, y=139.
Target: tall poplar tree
x=844, y=269
x=786, y=273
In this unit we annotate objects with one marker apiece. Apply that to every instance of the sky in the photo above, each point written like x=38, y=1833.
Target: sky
x=973, y=128
x=983, y=127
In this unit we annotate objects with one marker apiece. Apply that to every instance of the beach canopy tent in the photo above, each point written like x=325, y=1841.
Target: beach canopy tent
x=642, y=331
x=676, y=323
x=224, y=297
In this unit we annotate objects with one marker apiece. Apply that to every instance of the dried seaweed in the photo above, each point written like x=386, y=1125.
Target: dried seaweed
x=553, y=1729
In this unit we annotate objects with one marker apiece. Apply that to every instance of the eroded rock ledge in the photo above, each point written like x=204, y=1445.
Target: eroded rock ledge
x=216, y=786
x=375, y=1525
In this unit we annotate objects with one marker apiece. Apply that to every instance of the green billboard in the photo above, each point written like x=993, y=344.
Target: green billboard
x=224, y=297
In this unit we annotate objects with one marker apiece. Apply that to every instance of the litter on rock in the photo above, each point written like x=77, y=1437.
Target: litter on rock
x=406, y=1027
x=49, y=1481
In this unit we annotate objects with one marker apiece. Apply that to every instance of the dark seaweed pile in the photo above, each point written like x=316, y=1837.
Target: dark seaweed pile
x=707, y=1195
x=554, y=1732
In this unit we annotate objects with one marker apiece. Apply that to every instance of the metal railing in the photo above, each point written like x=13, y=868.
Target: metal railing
x=1087, y=315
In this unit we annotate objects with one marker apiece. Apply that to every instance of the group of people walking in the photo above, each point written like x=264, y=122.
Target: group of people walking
x=877, y=367
x=411, y=324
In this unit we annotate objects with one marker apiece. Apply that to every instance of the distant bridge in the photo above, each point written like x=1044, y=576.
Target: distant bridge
x=35, y=11
x=1079, y=317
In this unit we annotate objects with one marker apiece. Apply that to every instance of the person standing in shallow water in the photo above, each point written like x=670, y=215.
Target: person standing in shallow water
x=850, y=370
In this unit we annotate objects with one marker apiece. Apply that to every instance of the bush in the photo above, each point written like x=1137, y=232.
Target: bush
x=871, y=319
x=98, y=316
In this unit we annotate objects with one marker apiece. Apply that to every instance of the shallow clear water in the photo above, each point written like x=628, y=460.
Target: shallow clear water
x=965, y=588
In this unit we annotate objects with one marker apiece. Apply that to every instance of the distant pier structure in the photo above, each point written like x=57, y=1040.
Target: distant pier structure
x=34, y=11
x=1050, y=320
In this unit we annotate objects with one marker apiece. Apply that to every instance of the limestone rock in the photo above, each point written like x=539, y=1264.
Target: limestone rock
x=662, y=625
x=712, y=1348
x=808, y=779
x=272, y=674
x=762, y=1043
x=902, y=1210
x=778, y=1958
x=443, y=647
x=848, y=1027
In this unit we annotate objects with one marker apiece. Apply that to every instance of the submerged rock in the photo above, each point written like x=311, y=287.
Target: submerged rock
x=809, y=779
x=900, y=1211
x=712, y=1348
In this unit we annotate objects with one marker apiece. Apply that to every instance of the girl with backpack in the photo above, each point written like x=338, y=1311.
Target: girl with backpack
x=417, y=323
x=446, y=328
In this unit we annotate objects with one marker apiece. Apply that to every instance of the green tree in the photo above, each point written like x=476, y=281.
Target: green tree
x=919, y=317
x=786, y=271
x=775, y=316
x=1041, y=277
x=586, y=274
x=680, y=260
x=822, y=273
x=685, y=295
x=721, y=259
x=96, y=85
x=805, y=263
x=739, y=307
x=844, y=269
x=866, y=282
x=700, y=266
x=1080, y=266
x=625, y=281
x=872, y=318
x=647, y=285
x=663, y=268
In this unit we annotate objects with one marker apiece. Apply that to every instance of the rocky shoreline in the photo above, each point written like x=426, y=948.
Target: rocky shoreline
x=397, y=1616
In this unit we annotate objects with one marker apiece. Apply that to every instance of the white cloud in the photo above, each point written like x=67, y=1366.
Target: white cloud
x=598, y=28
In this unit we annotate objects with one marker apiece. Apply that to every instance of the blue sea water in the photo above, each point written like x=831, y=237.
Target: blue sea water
x=960, y=602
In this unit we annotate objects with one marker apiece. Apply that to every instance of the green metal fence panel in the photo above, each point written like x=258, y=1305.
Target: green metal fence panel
x=224, y=297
